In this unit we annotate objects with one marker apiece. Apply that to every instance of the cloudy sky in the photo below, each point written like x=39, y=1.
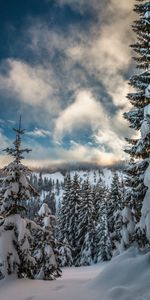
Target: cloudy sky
x=64, y=66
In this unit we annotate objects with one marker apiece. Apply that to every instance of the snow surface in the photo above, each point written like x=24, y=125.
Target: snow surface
x=125, y=277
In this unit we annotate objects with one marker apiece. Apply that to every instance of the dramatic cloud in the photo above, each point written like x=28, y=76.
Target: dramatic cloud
x=79, y=81
x=86, y=110
x=106, y=53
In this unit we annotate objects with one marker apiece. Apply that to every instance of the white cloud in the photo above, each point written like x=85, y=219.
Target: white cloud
x=84, y=153
x=103, y=54
x=39, y=132
x=85, y=109
x=33, y=85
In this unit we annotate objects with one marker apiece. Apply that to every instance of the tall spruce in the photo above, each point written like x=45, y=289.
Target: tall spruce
x=63, y=225
x=139, y=116
x=64, y=211
x=115, y=205
x=85, y=234
x=103, y=247
x=74, y=203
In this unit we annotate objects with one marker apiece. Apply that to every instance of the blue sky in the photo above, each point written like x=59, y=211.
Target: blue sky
x=64, y=67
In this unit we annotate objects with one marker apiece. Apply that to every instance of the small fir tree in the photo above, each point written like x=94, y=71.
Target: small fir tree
x=45, y=250
x=65, y=253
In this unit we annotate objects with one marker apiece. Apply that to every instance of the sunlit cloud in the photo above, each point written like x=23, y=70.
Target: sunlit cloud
x=84, y=110
x=63, y=85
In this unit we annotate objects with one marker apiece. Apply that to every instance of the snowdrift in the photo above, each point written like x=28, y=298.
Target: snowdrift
x=126, y=277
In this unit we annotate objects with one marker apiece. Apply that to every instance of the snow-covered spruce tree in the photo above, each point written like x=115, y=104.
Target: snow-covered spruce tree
x=103, y=248
x=32, y=206
x=74, y=202
x=103, y=245
x=15, y=231
x=45, y=251
x=128, y=227
x=63, y=227
x=114, y=207
x=50, y=200
x=139, y=116
x=134, y=187
x=85, y=228
x=98, y=193
x=133, y=202
x=65, y=254
x=64, y=212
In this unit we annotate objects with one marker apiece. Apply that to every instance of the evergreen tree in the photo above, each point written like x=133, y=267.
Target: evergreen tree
x=133, y=188
x=51, y=202
x=63, y=221
x=65, y=253
x=85, y=233
x=99, y=191
x=127, y=228
x=115, y=205
x=139, y=115
x=40, y=182
x=57, y=187
x=15, y=231
x=45, y=250
x=103, y=249
x=74, y=203
x=103, y=245
x=64, y=213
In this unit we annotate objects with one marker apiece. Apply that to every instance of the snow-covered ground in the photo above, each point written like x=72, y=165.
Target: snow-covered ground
x=71, y=286
x=126, y=277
